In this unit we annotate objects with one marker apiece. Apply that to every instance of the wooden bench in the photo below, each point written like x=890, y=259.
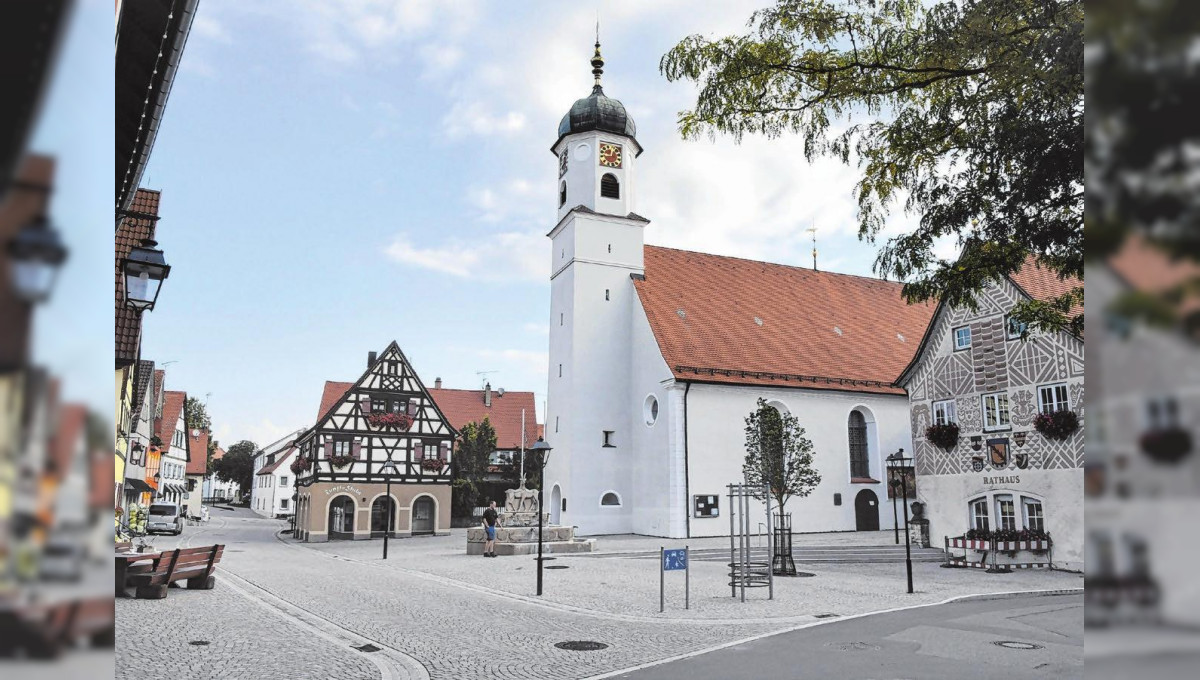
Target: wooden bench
x=194, y=565
x=44, y=629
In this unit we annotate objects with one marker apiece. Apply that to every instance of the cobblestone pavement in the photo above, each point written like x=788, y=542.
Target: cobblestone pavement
x=286, y=610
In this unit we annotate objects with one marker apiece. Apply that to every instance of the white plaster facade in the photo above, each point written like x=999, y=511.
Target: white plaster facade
x=271, y=493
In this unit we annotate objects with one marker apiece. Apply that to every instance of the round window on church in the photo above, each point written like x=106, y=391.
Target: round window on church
x=650, y=410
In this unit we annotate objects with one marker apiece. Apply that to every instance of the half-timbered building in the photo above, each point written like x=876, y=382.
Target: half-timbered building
x=387, y=415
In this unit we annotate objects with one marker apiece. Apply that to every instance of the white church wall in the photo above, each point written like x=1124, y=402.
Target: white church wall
x=716, y=450
x=658, y=485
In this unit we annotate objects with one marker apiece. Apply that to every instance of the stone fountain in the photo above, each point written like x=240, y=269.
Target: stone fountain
x=517, y=530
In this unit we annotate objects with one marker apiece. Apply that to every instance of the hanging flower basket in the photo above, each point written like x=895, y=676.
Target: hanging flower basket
x=1168, y=445
x=341, y=461
x=301, y=465
x=432, y=464
x=394, y=421
x=943, y=436
x=1056, y=424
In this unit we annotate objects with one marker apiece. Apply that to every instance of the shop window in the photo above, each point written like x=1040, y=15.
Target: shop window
x=944, y=412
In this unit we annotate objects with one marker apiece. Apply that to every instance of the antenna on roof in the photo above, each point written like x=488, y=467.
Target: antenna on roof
x=813, y=230
x=483, y=377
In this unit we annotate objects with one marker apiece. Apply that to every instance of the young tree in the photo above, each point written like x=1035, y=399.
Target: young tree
x=237, y=465
x=778, y=455
x=195, y=414
x=476, y=443
x=969, y=112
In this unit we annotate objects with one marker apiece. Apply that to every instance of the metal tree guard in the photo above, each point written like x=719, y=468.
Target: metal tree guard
x=743, y=571
x=782, y=563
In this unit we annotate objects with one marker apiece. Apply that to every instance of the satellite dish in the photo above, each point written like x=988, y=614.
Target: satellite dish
x=500, y=392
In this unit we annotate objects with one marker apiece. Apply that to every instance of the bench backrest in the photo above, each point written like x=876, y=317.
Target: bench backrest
x=191, y=560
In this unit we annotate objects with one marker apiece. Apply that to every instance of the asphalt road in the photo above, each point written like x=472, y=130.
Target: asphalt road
x=947, y=641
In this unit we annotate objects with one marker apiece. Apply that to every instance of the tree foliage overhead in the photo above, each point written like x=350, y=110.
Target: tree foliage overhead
x=968, y=113
x=237, y=465
x=778, y=454
x=196, y=415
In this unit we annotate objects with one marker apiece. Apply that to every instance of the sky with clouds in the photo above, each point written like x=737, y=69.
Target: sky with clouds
x=340, y=173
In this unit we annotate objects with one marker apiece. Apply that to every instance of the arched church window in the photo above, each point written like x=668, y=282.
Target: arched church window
x=562, y=194
x=860, y=465
x=609, y=187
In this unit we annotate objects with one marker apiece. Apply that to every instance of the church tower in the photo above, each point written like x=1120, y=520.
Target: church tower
x=597, y=249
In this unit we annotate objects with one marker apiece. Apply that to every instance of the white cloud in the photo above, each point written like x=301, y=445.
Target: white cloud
x=498, y=257
x=204, y=25
x=474, y=118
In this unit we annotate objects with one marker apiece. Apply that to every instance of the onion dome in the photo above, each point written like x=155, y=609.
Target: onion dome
x=597, y=111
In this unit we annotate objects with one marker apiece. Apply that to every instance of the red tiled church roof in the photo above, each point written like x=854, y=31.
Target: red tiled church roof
x=728, y=320
x=129, y=234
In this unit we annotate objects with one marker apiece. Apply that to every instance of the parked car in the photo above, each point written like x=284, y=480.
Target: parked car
x=165, y=518
x=62, y=559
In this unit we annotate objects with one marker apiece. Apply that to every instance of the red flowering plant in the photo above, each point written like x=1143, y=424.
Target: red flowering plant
x=341, y=460
x=301, y=465
x=1056, y=424
x=1006, y=535
x=943, y=436
x=1167, y=445
x=399, y=421
x=433, y=464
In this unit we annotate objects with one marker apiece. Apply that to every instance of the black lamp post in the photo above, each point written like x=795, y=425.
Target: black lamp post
x=901, y=466
x=36, y=254
x=145, y=269
x=389, y=469
x=543, y=450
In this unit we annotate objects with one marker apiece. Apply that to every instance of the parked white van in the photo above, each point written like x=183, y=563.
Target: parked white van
x=166, y=518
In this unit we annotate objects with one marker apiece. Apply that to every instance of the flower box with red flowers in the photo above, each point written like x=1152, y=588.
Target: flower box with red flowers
x=341, y=461
x=1167, y=445
x=301, y=465
x=432, y=464
x=943, y=436
x=1056, y=424
x=393, y=421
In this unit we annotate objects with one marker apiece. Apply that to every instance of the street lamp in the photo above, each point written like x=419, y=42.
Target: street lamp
x=901, y=466
x=543, y=451
x=145, y=269
x=389, y=469
x=36, y=253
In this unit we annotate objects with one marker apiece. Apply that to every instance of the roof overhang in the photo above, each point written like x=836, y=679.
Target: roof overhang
x=29, y=32
x=151, y=35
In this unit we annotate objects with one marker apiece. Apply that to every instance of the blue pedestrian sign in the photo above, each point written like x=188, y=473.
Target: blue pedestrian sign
x=674, y=560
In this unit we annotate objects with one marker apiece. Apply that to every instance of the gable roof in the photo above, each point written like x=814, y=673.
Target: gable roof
x=130, y=233
x=1149, y=269
x=164, y=428
x=329, y=398
x=466, y=406
x=729, y=320
x=1035, y=281
x=197, y=441
x=142, y=380
x=268, y=469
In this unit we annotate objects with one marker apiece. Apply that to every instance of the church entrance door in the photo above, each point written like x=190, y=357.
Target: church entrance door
x=866, y=511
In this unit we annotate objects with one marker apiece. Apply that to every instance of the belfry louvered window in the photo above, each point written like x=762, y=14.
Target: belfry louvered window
x=609, y=187
x=860, y=465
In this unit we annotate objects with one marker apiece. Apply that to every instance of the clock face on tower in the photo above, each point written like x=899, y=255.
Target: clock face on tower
x=562, y=163
x=610, y=155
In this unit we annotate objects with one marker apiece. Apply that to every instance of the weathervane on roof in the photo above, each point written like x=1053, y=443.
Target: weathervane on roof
x=813, y=230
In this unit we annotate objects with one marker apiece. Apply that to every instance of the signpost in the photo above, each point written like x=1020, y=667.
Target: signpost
x=673, y=560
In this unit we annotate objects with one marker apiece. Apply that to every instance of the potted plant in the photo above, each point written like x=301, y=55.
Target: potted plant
x=1167, y=445
x=432, y=464
x=301, y=465
x=1056, y=424
x=397, y=421
x=944, y=436
x=341, y=460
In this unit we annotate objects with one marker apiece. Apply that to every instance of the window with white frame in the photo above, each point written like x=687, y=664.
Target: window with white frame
x=341, y=447
x=283, y=503
x=283, y=481
x=995, y=411
x=1014, y=329
x=1006, y=512
x=962, y=337
x=431, y=452
x=1162, y=413
x=1053, y=398
x=979, y=514
x=944, y=412
x=1034, y=520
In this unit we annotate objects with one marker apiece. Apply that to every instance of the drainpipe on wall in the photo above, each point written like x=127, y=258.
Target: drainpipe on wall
x=687, y=482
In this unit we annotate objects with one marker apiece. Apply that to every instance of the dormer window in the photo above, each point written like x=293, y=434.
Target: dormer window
x=609, y=187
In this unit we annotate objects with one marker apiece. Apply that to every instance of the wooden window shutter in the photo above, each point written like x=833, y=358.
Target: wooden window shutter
x=444, y=451
x=412, y=408
x=329, y=448
x=356, y=450
x=365, y=404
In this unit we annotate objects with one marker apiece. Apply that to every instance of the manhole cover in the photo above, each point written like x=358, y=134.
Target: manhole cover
x=1012, y=644
x=581, y=645
x=367, y=648
x=557, y=566
x=852, y=646
x=198, y=643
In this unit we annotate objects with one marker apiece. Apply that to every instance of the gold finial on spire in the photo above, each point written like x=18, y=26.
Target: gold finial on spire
x=597, y=60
